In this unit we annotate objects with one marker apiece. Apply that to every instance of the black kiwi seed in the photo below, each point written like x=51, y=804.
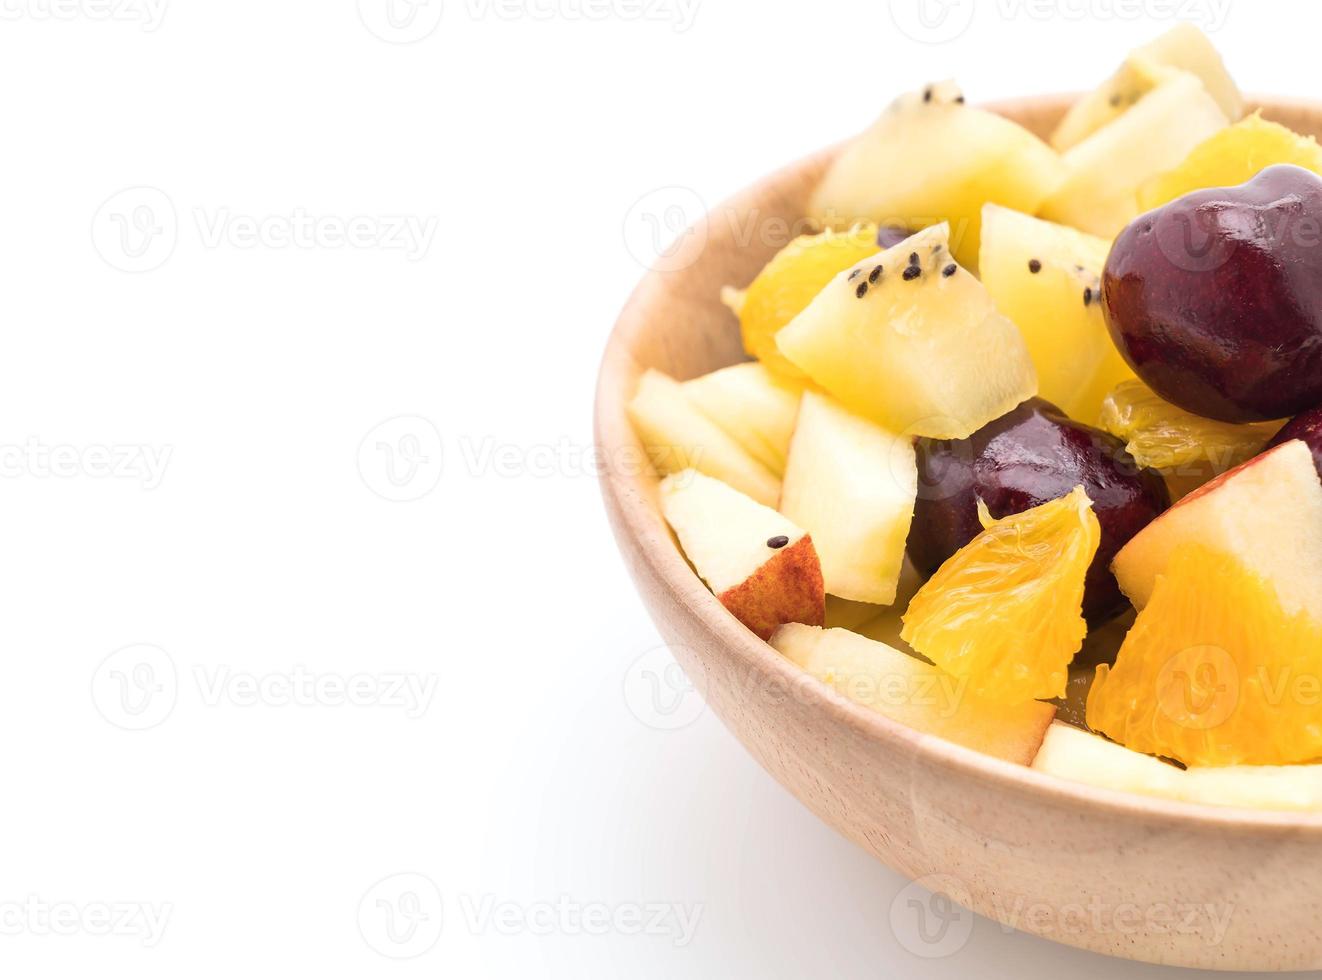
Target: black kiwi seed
x=876, y=274
x=950, y=270
x=911, y=273
x=1034, y=266
x=862, y=290
x=778, y=542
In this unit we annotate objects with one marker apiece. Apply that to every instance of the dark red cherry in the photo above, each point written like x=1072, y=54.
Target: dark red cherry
x=1032, y=455
x=1215, y=299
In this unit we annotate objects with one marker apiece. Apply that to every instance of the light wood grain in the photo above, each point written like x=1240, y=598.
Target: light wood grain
x=1010, y=837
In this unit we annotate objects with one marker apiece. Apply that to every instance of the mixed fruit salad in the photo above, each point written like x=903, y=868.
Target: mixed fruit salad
x=1028, y=452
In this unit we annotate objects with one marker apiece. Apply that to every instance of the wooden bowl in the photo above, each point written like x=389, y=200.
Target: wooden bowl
x=1126, y=875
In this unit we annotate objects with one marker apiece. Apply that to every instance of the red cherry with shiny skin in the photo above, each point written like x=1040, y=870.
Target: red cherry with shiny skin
x=1215, y=299
x=1029, y=456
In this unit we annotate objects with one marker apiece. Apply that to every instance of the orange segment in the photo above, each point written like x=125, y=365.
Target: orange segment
x=1006, y=611
x=1232, y=156
x=1170, y=439
x=792, y=280
x=1214, y=672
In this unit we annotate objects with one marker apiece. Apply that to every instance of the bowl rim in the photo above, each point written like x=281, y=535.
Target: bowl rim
x=632, y=495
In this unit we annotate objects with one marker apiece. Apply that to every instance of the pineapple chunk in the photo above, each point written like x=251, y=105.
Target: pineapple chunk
x=677, y=436
x=1100, y=192
x=788, y=283
x=1047, y=279
x=914, y=693
x=932, y=158
x=1082, y=757
x=754, y=407
x=912, y=341
x=1183, y=48
x=852, y=485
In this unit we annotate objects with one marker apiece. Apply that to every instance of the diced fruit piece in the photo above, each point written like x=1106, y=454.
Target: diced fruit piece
x=1005, y=612
x=886, y=626
x=852, y=484
x=754, y=407
x=888, y=235
x=1267, y=513
x=932, y=158
x=1047, y=278
x=1185, y=48
x=915, y=693
x=1103, y=173
x=912, y=341
x=1030, y=456
x=1082, y=757
x=1233, y=156
x=759, y=564
x=1099, y=646
x=1176, y=442
x=677, y=436
x=1216, y=298
x=1114, y=371
x=1134, y=79
x=1214, y=671
x=848, y=614
x=789, y=282
x=734, y=299
x=1306, y=428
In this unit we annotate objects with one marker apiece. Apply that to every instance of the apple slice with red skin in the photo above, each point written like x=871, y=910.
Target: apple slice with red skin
x=1306, y=427
x=1266, y=512
x=760, y=565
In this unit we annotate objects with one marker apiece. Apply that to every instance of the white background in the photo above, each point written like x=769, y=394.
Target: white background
x=199, y=465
